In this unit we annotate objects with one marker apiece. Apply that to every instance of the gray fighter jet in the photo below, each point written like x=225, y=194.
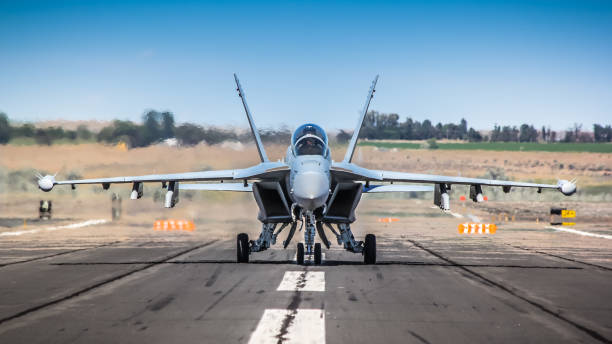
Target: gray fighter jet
x=307, y=188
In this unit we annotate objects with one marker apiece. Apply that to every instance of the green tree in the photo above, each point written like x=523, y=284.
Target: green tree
x=343, y=136
x=5, y=128
x=167, y=125
x=474, y=135
x=190, y=134
x=83, y=133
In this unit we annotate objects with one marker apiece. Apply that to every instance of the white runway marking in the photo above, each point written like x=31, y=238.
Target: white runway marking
x=309, y=259
x=457, y=215
x=302, y=281
x=70, y=226
x=573, y=231
x=474, y=218
x=305, y=326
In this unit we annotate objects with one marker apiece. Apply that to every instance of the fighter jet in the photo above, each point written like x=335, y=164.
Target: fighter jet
x=307, y=188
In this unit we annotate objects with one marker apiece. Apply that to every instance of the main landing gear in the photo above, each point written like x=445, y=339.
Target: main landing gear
x=242, y=248
x=345, y=237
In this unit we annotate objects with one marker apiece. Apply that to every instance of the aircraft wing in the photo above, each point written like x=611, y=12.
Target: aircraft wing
x=239, y=187
x=397, y=188
x=354, y=172
x=266, y=170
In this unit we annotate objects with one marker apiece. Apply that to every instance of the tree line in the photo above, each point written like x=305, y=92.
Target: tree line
x=158, y=126
x=380, y=126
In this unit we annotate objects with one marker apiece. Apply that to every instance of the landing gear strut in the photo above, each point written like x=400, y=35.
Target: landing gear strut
x=344, y=235
x=310, y=247
x=347, y=239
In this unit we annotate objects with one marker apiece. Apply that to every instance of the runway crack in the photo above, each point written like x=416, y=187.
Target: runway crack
x=58, y=254
x=591, y=332
x=561, y=257
x=100, y=284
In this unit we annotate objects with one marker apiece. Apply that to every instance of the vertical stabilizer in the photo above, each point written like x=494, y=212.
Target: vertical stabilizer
x=260, y=147
x=353, y=143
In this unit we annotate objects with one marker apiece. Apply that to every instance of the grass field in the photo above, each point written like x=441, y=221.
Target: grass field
x=502, y=146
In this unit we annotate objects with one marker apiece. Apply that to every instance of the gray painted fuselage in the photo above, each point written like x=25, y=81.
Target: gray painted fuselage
x=309, y=179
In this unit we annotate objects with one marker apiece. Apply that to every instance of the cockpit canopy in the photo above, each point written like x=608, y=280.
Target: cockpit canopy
x=309, y=139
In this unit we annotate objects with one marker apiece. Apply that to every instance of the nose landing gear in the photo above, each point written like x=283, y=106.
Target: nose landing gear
x=311, y=248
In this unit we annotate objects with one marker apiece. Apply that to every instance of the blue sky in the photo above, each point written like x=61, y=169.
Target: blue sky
x=505, y=62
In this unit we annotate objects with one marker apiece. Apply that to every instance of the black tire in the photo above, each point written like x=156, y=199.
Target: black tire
x=317, y=254
x=369, y=249
x=300, y=253
x=242, y=248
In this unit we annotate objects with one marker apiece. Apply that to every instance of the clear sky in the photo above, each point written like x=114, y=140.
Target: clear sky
x=505, y=62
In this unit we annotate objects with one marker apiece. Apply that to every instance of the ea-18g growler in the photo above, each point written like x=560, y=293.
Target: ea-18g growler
x=307, y=188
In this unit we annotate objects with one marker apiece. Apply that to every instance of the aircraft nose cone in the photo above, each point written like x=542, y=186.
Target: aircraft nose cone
x=311, y=189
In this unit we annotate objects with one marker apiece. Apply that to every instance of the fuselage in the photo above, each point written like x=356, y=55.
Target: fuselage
x=310, y=160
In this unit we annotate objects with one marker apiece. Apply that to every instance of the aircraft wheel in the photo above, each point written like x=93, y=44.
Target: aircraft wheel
x=300, y=253
x=317, y=254
x=242, y=248
x=369, y=249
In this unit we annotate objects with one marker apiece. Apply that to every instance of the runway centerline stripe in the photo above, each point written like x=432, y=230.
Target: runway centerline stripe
x=302, y=281
x=307, y=327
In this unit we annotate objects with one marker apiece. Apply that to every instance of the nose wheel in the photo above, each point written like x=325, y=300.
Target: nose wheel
x=301, y=252
x=317, y=254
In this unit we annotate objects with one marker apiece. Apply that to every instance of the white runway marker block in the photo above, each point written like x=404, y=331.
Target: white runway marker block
x=303, y=281
x=299, y=326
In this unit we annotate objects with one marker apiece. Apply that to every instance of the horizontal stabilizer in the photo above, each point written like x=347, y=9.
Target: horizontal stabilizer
x=239, y=187
x=397, y=188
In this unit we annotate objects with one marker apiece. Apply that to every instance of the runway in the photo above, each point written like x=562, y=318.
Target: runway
x=426, y=288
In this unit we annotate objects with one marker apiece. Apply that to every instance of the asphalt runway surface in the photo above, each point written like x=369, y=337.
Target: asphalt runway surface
x=425, y=289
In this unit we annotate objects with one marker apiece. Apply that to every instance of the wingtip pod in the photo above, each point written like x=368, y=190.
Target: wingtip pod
x=46, y=183
x=567, y=187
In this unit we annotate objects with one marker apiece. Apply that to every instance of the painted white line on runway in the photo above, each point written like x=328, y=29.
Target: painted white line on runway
x=302, y=281
x=457, y=215
x=309, y=258
x=474, y=218
x=306, y=326
x=70, y=226
x=573, y=231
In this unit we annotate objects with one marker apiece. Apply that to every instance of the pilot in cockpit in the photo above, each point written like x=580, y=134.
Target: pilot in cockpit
x=309, y=139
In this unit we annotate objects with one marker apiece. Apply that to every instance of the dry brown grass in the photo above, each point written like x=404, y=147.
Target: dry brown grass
x=96, y=160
